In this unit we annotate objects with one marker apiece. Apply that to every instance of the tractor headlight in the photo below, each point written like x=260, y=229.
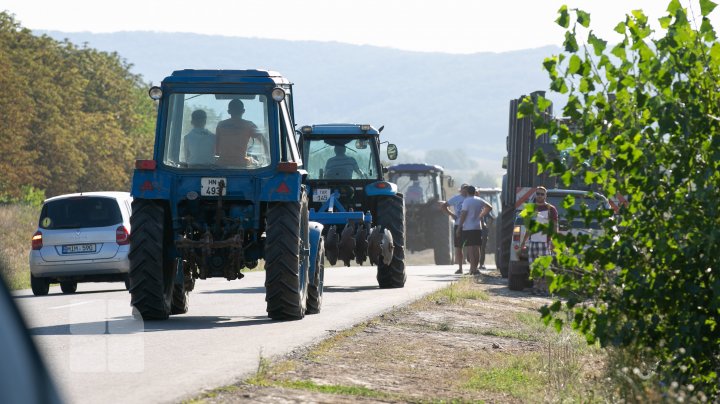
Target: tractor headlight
x=365, y=127
x=278, y=94
x=155, y=93
x=306, y=129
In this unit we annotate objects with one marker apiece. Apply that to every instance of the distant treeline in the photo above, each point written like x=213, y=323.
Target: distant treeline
x=71, y=118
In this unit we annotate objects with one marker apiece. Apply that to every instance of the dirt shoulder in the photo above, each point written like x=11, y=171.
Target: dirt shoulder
x=473, y=341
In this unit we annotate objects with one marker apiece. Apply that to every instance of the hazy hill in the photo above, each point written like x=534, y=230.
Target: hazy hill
x=433, y=105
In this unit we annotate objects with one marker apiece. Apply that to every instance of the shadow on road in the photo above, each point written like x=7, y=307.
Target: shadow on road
x=249, y=291
x=129, y=325
x=333, y=289
x=78, y=293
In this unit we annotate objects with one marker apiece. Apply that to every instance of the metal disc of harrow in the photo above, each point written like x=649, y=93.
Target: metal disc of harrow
x=361, y=244
x=331, y=245
x=346, y=250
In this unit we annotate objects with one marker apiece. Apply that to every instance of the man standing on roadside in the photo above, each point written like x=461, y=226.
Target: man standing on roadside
x=541, y=242
x=474, y=210
x=456, y=203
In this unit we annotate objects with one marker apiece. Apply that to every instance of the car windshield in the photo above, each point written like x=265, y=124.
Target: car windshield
x=340, y=159
x=217, y=131
x=80, y=212
x=416, y=187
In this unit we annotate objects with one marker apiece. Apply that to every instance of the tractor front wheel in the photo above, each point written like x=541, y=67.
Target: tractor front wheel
x=391, y=216
x=315, y=288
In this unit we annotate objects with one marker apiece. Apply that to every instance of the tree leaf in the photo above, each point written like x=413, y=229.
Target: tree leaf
x=706, y=7
x=574, y=64
x=563, y=19
x=583, y=18
x=598, y=44
x=570, y=43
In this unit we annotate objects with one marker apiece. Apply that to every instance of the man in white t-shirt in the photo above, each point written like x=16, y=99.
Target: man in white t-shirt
x=474, y=209
x=456, y=204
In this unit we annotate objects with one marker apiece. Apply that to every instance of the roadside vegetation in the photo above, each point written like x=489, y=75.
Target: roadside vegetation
x=643, y=121
x=18, y=222
x=473, y=341
x=74, y=118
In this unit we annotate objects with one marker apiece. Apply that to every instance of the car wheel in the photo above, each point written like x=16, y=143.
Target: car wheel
x=40, y=285
x=68, y=287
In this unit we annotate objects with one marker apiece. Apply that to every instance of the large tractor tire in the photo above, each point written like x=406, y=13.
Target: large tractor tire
x=443, y=250
x=315, y=287
x=391, y=216
x=286, y=259
x=518, y=275
x=151, y=271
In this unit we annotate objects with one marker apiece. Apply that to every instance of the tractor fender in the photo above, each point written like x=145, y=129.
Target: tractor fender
x=380, y=188
x=315, y=236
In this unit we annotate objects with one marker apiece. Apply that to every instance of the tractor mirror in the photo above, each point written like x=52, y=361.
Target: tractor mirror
x=451, y=182
x=392, y=151
x=505, y=162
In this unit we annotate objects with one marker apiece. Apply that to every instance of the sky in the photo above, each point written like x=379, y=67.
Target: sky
x=449, y=26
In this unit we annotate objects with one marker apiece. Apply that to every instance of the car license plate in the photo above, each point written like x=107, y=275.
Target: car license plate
x=78, y=248
x=321, y=195
x=211, y=186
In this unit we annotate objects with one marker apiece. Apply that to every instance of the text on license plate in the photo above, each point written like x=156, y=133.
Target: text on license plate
x=321, y=195
x=78, y=248
x=211, y=186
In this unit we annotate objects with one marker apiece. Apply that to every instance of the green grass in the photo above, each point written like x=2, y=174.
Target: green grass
x=518, y=375
x=17, y=224
x=457, y=293
x=357, y=391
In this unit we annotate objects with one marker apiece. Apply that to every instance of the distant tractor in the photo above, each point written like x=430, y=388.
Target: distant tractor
x=223, y=191
x=423, y=186
x=492, y=196
x=363, y=215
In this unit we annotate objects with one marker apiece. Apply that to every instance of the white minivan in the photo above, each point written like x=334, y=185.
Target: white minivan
x=82, y=237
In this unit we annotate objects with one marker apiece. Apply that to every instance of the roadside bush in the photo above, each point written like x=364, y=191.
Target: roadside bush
x=645, y=116
x=17, y=224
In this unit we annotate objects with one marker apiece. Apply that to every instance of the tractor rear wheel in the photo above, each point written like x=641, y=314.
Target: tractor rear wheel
x=442, y=249
x=391, y=216
x=151, y=271
x=315, y=288
x=286, y=259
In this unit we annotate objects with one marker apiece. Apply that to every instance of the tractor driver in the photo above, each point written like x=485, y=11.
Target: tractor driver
x=233, y=135
x=341, y=166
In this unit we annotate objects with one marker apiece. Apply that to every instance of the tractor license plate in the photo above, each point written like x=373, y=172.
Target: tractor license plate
x=211, y=186
x=321, y=195
x=78, y=248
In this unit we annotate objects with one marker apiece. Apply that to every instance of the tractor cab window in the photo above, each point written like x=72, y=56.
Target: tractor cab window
x=418, y=188
x=340, y=159
x=213, y=131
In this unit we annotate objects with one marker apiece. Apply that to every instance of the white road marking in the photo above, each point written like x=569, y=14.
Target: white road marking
x=73, y=304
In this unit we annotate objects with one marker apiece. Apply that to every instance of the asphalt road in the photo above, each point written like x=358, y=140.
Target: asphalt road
x=99, y=354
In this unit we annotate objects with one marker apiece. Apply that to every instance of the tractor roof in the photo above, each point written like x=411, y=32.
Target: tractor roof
x=338, y=129
x=226, y=76
x=415, y=168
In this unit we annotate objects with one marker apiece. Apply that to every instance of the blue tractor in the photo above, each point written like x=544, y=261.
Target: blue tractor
x=363, y=215
x=224, y=190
